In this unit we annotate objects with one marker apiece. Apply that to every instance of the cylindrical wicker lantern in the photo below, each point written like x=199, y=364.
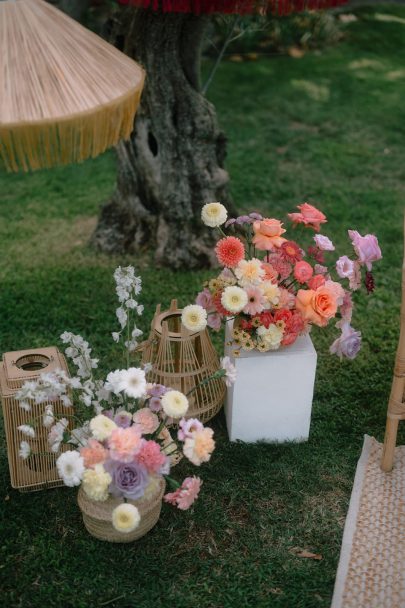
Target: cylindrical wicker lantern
x=39, y=470
x=97, y=515
x=182, y=360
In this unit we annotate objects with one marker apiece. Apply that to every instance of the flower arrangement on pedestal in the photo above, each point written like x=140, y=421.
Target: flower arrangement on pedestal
x=273, y=288
x=131, y=432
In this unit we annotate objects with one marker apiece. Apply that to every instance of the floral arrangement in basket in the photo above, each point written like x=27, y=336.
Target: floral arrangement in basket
x=125, y=443
x=275, y=289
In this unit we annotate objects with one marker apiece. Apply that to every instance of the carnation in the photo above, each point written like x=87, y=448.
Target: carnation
x=250, y=272
x=70, y=467
x=234, y=299
x=188, y=427
x=186, y=495
x=146, y=421
x=271, y=337
x=194, y=318
x=214, y=214
x=125, y=443
x=151, y=457
x=174, y=404
x=199, y=447
x=125, y=518
x=230, y=371
x=113, y=383
x=93, y=453
x=95, y=483
x=123, y=419
x=102, y=427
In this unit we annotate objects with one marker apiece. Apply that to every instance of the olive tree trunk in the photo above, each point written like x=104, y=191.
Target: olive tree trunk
x=173, y=163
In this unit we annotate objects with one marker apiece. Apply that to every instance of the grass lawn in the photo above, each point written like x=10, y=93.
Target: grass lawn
x=330, y=128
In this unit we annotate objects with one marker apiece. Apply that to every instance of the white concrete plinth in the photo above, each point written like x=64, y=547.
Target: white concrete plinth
x=271, y=399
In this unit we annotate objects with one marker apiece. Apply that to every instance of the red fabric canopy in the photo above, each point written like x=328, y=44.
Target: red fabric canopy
x=242, y=7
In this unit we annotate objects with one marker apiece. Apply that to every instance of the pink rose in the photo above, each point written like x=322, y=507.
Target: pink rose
x=323, y=243
x=366, y=248
x=309, y=215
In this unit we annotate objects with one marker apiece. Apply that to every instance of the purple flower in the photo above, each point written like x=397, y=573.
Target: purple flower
x=123, y=419
x=157, y=390
x=188, y=427
x=243, y=219
x=348, y=344
x=129, y=479
x=108, y=413
x=204, y=299
x=155, y=404
x=229, y=222
x=366, y=248
x=256, y=216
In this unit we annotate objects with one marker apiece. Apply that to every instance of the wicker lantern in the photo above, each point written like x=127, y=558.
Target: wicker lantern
x=183, y=360
x=38, y=471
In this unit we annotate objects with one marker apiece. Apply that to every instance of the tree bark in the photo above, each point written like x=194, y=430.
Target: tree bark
x=173, y=163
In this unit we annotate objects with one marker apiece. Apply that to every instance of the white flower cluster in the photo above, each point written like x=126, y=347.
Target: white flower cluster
x=128, y=287
x=80, y=354
x=50, y=386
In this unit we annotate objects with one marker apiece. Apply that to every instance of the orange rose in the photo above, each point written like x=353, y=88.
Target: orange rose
x=268, y=234
x=316, y=306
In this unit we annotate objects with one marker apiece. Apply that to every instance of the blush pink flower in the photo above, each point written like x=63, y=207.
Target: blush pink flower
x=151, y=457
x=316, y=281
x=324, y=243
x=125, y=443
x=214, y=321
x=337, y=290
x=319, y=269
x=93, y=453
x=230, y=251
x=146, y=421
x=345, y=267
x=268, y=234
x=287, y=299
x=186, y=495
x=280, y=265
x=204, y=299
x=309, y=215
x=346, y=308
x=303, y=271
x=366, y=248
x=199, y=447
x=271, y=273
x=256, y=301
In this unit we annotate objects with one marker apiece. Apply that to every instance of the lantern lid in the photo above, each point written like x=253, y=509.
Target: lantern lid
x=20, y=366
x=66, y=94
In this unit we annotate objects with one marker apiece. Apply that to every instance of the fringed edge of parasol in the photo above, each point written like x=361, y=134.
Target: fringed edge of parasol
x=71, y=139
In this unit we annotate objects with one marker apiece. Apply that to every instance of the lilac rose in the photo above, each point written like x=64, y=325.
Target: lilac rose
x=129, y=479
x=348, y=344
x=366, y=248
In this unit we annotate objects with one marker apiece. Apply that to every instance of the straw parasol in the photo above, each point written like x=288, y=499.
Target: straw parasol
x=65, y=94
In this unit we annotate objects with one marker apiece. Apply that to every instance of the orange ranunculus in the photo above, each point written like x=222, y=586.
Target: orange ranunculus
x=268, y=234
x=316, y=306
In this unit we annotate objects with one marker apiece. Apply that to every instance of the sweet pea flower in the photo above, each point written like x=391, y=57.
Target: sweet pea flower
x=324, y=243
x=366, y=248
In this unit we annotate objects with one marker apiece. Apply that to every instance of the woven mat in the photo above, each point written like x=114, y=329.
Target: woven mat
x=371, y=572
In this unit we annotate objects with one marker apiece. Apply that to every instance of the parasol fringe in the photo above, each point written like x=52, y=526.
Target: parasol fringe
x=32, y=146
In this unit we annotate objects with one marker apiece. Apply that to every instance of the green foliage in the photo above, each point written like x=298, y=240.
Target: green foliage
x=327, y=128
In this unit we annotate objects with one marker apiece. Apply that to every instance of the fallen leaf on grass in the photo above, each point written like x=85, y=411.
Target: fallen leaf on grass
x=304, y=553
x=296, y=52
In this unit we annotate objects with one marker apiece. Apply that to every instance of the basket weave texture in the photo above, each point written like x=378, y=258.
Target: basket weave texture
x=97, y=516
x=182, y=361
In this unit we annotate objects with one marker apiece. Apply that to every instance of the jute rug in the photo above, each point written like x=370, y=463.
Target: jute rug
x=371, y=572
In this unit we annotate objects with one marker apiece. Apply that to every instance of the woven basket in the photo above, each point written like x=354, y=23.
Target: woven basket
x=182, y=360
x=97, y=516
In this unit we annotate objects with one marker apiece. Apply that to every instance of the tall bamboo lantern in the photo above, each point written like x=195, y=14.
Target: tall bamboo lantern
x=38, y=471
x=65, y=94
x=182, y=360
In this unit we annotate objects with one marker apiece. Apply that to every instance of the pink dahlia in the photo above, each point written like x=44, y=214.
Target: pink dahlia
x=230, y=251
x=186, y=495
x=255, y=303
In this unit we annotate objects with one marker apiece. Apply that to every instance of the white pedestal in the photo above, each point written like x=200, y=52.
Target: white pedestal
x=271, y=399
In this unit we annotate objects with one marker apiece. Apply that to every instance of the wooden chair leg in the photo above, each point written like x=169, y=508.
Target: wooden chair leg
x=390, y=440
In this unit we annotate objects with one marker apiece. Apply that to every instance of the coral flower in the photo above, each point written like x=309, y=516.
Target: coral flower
x=309, y=215
x=255, y=303
x=316, y=281
x=268, y=234
x=93, y=453
x=151, y=457
x=125, y=443
x=316, y=306
x=303, y=271
x=230, y=251
x=271, y=273
x=291, y=252
x=199, y=447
